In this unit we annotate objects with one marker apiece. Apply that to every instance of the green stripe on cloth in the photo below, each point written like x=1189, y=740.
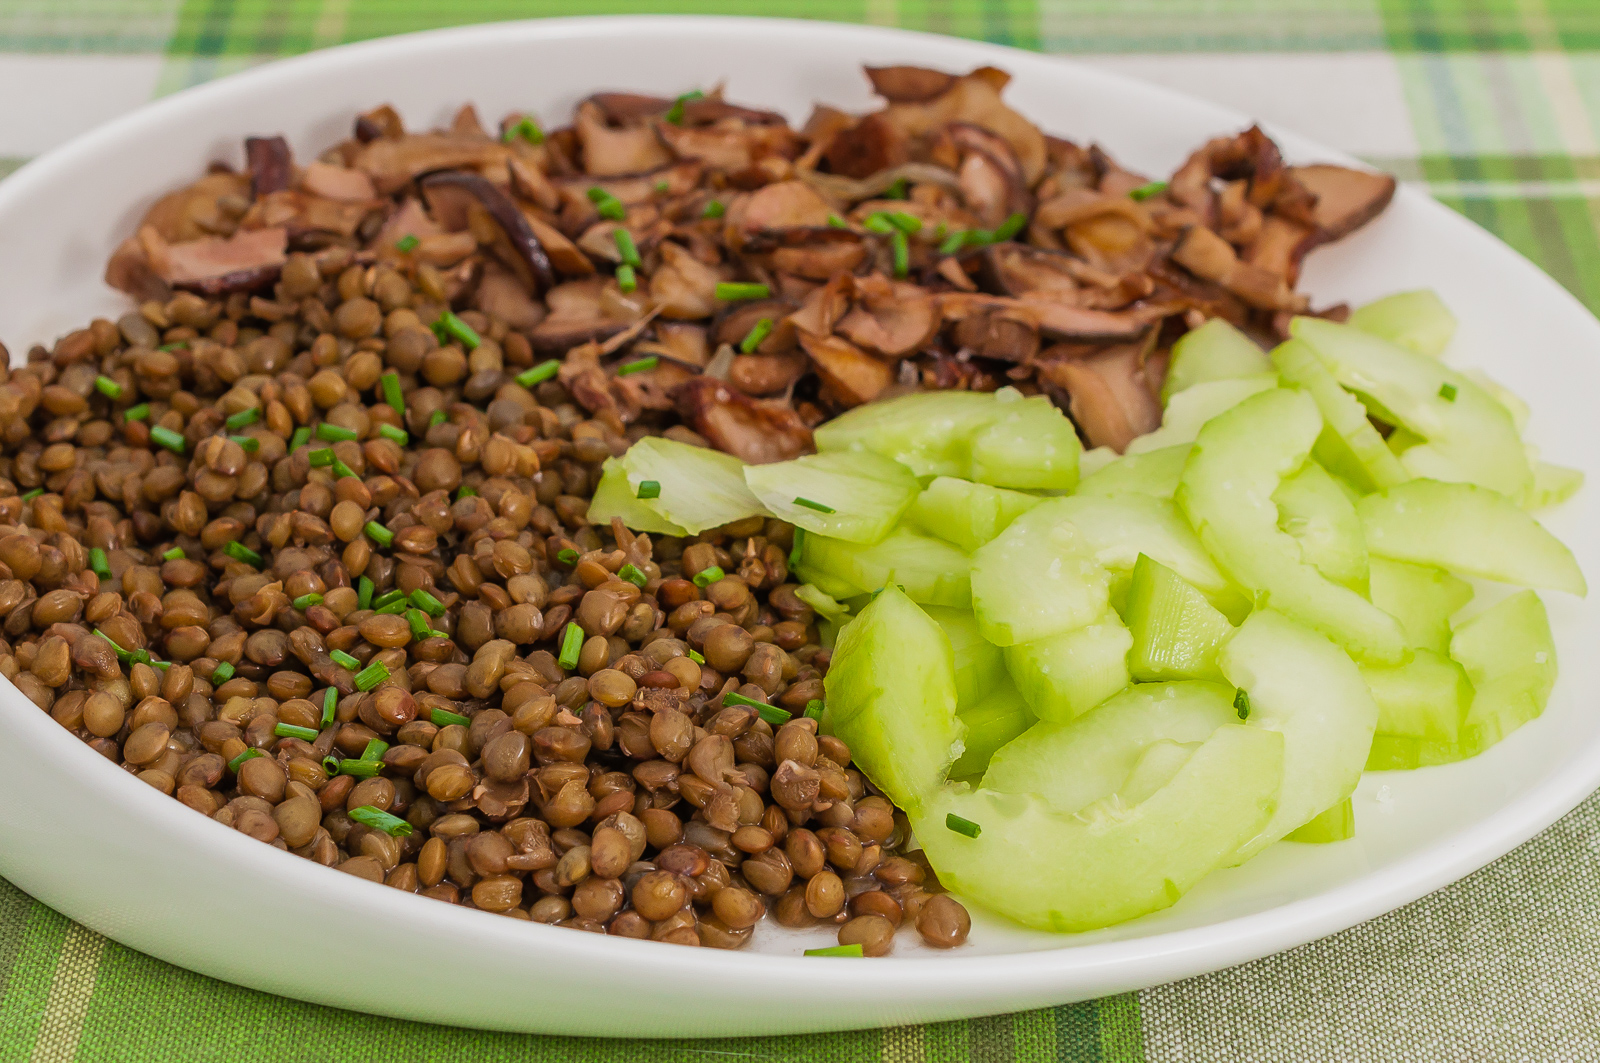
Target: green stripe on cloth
x=86, y=26
x=40, y=934
x=1491, y=25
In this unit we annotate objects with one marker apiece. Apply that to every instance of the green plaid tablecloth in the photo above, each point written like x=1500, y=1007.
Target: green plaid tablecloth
x=1494, y=105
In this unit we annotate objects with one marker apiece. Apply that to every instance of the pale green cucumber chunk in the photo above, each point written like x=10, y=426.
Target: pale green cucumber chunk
x=1065, y=675
x=1470, y=437
x=1094, y=459
x=1061, y=872
x=980, y=665
x=1037, y=578
x=991, y=723
x=1074, y=763
x=1468, y=529
x=831, y=613
x=1214, y=351
x=1519, y=410
x=1422, y=598
x=1510, y=657
x=928, y=432
x=1314, y=509
x=930, y=570
x=891, y=697
x=1349, y=445
x=1334, y=825
x=699, y=487
x=1427, y=697
x=613, y=497
x=968, y=514
x=1552, y=485
x=865, y=493
x=1226, y=491
x=1310, y=691
x=1194, y=406
x=1418, y=321
x=1177, y=634
x=1404, y=753
x=1028, y=444
x=1154, y=473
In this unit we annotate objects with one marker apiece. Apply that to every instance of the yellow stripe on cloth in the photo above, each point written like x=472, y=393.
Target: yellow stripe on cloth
x=70, y=990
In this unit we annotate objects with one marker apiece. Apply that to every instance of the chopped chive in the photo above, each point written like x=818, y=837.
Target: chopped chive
x=675, y=112
x=173, y=346
x=632, y=574
x=361, y=769
x=330, y=702
x=1447, y=392
x=98, y=563
x=953, y=243
x=166, y=437
x=528, y=130
x=249, y=754
x=345, y=661
x=322, y=457
x=836, y=222
x=371, y=675
x=878, y=222
x=446, y=718
x=663, y=187
x=626, y=247
x=962, y=826
x=407, y=243
x=707, y=576
x=289, y=730
x=250, y=443
x=222, y=673
x=648, y=489
x=818, y=506
x=694, y=655
x=714, y=209
x=795, y=550
x=175, y=554
x=627, y=280
x=814, y=709
x=136, y=413
x=1146, y=191
x=729, y=291
x=853, y=951
x=364, y=589
x=466, y=491
x=608, y=205
x=244, y=418
x=1241, y=703
x=301, y=437
x=306, y=601
x=330, y=765
x=900, y=248
x=376, y=748
x=240, y=552
x=906, y=223
x=899, y=190
x=449, y=327
x=380, y=535
x=30, y=495
x=163, y=665
x=569, y=556
x=1011, y=227
x=333, y=433
x=391, y=392
x=771, y=713
x=108, y=387
x=392, y=609
x=643, y=365
x=756, y=336
x=427, y=602
x=437, y=418
x=389, y=598
x=376, y=818
x=122, y=654
x=539, y=373
x=420, y=628
x=398, y=435
x=571, y=646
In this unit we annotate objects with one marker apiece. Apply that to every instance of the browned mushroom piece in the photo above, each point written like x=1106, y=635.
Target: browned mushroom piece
x=452, y=196
x=674, y=179
x=613, y=151
x=752, y=431
x=1346, y=199
x=578, y=315
x=852, y=375
x=908, y=84
x=1108, y=391
x=382, y=121
x=890, y=318
x=873, y=144
x=1210, y=257
x=243, y=262
x=1000, y=334
x=989, y=176
x=1015, y=269
x=270, y=164
x=500, y=295
x=767, y=374
x=340, y=183
x=394, y=162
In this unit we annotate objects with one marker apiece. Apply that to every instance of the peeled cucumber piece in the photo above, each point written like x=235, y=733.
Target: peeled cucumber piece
x=1335, y=825
x=1427, y=697
x=930, y=570
x=1552, y=485
x=831, y=613
x=892, y=698
x=1314, y=509
x=1029, y=444
x=980, y=666
x=1470, y=437
x=1194, y=406
x=1349, y=444
x=1037, y=578
x=1510, y=657
x=1177, y=634
x=862, y=495
x=1307, y=689
x=1421, y=597
x=991, y=723
x=1465, y=528
x=1110, y=862
x=1418, y=321
x=1065, y=675
x=613, y=497
x=1214, y=351
x=967, y=514
x=1238, y=462
x=1154, y=473
x=700, y=488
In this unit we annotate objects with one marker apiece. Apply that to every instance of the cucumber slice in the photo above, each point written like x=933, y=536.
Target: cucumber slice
x=1402, y=753
x=1418, y=321
x=1335, y=825
x=1037, y=578
x=1061, y=872
x=1029, y=444
x=1552, y=485
x=700, y=488
x=1075, y=763
x=1176, y=632
x=827, y=583
x=1154, y=473
x=1349, y=444
x=1314, y=509
x=930, y=570
x=1422, y=598
x=831, y=614
x=1518, y=409
x=1427, y=697
x=613, y=497
x=990, y=723
x=892, y=697
x=1066, y=675
x=1467, y=529
x=1214, y=351
x=862, y=495
x=1308, y=689
x=1226, y=490
x=980, y=665
x=968, y=514
x=1470, y=437
x=1194, y=406
x=1510, y=657
x=1093, y=460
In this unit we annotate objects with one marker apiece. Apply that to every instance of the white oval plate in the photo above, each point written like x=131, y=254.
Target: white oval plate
x=134, y=864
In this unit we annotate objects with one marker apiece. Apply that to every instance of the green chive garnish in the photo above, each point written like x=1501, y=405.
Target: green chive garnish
x=962, y=826
x=333, y=433
x=438, y=418
x=376, y=818
x=818, y=506
x=250, y=444
x=407, y=243
x=1012, y=226
x=714, y=209
x=330, y=765
x=758, y=332
x=648, y=489
x=906, y=223
x=675, y=112
x=376, y=748
x=627, y=280
x=899, y=190
x=1241, y=703
x=345, y=661
x=392, y=609
x=122, y=654
x=1144, y=192
x=244, y=418
x=380, y=535
x=222, y=673
x=371, y=675
x=321, y=458
x=289, y=730
x=361, y=769
x=330, y=702
x=528, y=130
x=836, y=222
x=643, y=365
x=814, y=709
x=389, y=598
x=391, y=392
x=571, y=646
x=465, y=491
x=306, y=601
x=607, y=205
x=240, y=552
x=427, y=602
x=166, y=437
x=450, y=327
x=98, y=563
x=794, y=551
x=446, y=718
x=853, y=951
x=420, y=628
x=729, y=291
x=707, y=576
x=632, y=574
x=174, y=346
x=878, y=222
x=569, y=556
x=108, y=387
x=399, y=435
x=364, y=589
x=137, y=413
x=539, y=373
x=771, y=713
x=1447, y=392
x=301, y=437
x=175, y=554
x=31, y=495
x=249, y=754
x=900, y=248
x=694, y=655
x=626, y=247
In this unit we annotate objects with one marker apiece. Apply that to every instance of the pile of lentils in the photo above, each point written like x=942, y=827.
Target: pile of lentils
x=318, y=566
